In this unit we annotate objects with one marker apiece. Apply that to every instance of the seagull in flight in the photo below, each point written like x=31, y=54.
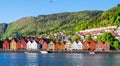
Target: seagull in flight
x=51, y=1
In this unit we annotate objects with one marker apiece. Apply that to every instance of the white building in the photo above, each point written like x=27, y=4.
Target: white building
x=79, y=44
x=74, y=46
x=29, y=45
x=34, y=45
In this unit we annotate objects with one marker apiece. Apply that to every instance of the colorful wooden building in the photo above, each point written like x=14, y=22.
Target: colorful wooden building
x=102, y=46
x=106, y=46
x=99, y=46
x=51, y=46
x=29, y=45
x=13, y=44
x=39, y=46
x=23, y=44
x=79, y=43
x=57, y=46
x=75, y=46
x=68, y=46
x=18, y=45
x=44, y=46
x=6, y=45
x=92, y=45
x=85, y=45
x=62, y=46
x=34, y=45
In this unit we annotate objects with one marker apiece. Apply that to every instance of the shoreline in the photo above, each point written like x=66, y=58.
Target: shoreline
x=38, y=51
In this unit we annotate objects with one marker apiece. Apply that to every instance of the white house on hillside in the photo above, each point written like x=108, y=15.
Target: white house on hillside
x=34, y=45
x=74, y=46
x=29, y=45
x=79, y=44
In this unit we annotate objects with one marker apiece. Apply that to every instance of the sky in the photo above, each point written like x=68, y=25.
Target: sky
x=12, y=10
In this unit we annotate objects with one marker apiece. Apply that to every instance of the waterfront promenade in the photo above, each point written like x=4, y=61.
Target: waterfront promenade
x=73, y=51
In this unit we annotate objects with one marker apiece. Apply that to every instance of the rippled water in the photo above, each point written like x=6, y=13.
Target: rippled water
x=52, y=59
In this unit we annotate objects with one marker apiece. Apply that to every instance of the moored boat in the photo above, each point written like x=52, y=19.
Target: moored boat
x=43, y=52
x=26, y=52
x=91, y=52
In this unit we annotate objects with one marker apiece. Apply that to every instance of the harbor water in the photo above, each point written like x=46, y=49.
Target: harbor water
x=58, y=59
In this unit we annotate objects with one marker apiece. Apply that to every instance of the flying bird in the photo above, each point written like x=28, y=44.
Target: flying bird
x=51, y=1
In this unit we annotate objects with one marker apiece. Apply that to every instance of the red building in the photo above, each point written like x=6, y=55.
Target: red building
x=106, y=46
x=18, y=46
x=44, y=46
x=103, y=46
x=85, y=45
x=99, y=46
x=6, y=45
x=92, y=45
x=57, y=46
x=23, y=44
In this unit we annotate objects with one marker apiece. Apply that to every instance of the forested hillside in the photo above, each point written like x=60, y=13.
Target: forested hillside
x=46, y=24
x=69, y=22
x=107, y=18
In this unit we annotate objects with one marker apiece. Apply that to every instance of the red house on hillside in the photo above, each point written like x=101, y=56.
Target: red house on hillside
x=106, y=46
x=99, y=46
x=85, y=45
x=6, y=45
x=44, y=46
x=57, y=46
x=92, y=45
x=18, y=46
x=103, y=46
x=23, y=44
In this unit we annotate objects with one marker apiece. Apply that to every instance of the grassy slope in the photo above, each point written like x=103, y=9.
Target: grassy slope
x=108, y=18
x=46, y=24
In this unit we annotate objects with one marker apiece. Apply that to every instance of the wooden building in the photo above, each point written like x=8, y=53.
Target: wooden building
x=6, y=45
x=92, y=45
x=57, y=46
x=23, y=44
x=68, y=46
x=85, y=45
x=62, y=46
x=44, y=46
x=18, y=45
x=51, y=46
x=13, y=44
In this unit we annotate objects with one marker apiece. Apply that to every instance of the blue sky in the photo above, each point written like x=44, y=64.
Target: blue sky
x=12, y=10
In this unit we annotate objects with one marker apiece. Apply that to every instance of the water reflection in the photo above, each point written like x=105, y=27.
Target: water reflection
x=78, y=59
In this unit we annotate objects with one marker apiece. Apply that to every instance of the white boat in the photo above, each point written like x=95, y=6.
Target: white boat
x=91, y=52
x=26, y=52
x=43, y=52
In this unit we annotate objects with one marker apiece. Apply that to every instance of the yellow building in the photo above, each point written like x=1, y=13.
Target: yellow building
x=51, y=46
x=68, y=46
x=62, y=46
x=13, y=44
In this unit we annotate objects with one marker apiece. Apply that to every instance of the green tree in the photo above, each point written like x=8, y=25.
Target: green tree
x=75, y=38
x=116, y=45
x=88, y=38
x=98, y=38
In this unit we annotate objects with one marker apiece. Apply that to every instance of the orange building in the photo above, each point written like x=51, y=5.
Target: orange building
x=57, y=46
x=62, y=46
x=18, y=46
x=92, y=45
x=44, y=46
x=23, y=44
x=85, y=45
